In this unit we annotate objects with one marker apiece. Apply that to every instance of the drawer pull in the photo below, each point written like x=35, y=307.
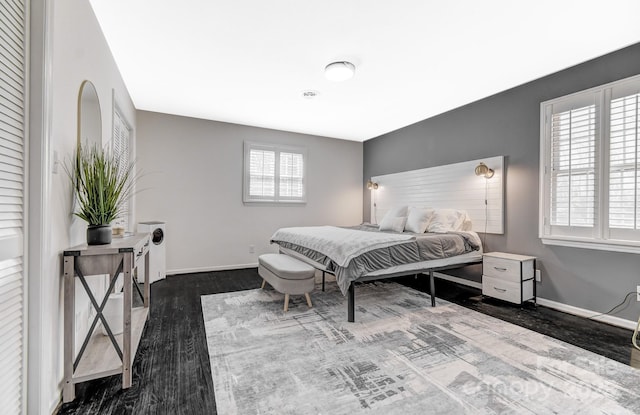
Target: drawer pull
x=502, y=290
x=500, y=269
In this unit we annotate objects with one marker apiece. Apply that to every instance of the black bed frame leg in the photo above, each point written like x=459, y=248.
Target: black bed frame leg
x=432, y=289
x=322, y=280
x=351, y=307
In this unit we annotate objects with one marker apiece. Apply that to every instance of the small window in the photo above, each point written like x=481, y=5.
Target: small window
x=274, y=173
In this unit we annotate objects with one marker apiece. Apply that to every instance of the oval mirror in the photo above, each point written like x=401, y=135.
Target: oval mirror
x=89, y=118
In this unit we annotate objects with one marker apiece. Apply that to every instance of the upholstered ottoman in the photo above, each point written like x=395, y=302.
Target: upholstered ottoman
x=287, y=275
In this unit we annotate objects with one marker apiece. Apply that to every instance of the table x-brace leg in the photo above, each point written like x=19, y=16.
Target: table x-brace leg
x=135, y=284
x=99, y=309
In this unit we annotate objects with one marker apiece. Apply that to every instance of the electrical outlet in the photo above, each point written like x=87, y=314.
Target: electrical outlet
x=252, y=249
x=539, y=276
x=637, y=292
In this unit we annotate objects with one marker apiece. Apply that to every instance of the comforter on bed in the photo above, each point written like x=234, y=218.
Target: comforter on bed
x=346, y=254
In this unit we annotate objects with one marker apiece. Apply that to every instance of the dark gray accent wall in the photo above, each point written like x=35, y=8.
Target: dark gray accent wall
x=508, y=124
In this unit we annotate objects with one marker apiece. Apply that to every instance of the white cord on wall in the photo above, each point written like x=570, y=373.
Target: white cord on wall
x=486, y=214
x=375, y=207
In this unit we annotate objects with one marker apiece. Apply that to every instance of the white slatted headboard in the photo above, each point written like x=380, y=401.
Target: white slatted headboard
x=451, y=186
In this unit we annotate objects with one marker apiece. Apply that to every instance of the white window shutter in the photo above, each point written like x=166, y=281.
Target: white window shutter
x=121, y=149
x=573, y=164
x=12, y=189
x=262, y=171
x=291, y=175
x=624, y=180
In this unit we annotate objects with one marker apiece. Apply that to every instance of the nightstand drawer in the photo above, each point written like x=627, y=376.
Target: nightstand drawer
x=506, y=290
x=504, y=269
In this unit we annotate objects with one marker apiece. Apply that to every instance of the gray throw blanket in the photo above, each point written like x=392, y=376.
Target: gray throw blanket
x=409, y=249
x=339, y=244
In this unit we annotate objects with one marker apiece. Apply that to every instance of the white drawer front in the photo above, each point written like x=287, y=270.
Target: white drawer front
x=504, y=269
x=498, y=288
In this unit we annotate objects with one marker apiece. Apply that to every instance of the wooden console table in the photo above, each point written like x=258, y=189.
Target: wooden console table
x=102, y=355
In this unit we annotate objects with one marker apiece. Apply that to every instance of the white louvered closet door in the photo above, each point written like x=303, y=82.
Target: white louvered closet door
x=12, y=208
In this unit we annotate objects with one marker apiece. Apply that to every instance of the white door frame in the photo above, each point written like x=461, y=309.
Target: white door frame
x=39, y=187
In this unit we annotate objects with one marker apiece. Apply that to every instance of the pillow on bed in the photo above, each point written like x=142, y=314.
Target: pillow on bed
x=467, y=225
x=393, y=224
x=395, y=212
x=447, y=220
x=418, y=219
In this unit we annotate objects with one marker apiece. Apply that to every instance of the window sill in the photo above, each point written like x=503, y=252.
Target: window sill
x=273, y=203
x=597, y=245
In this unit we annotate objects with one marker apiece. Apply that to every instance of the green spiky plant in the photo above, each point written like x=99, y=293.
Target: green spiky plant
x=102, y=185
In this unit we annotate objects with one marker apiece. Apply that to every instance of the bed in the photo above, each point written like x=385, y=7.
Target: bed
x=365, y=253
x=460, y=202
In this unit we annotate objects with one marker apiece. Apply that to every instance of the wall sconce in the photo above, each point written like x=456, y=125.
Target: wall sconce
x=372, y=185
x=484, y=170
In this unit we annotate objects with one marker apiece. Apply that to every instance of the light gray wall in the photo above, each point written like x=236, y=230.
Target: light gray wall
x=193, y=181
x=508, y=124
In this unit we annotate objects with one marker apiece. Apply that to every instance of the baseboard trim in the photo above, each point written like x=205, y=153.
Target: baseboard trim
x=565, y=308
x=56, y=404
x=458, y=280
x=209, y=269
x=581, y=312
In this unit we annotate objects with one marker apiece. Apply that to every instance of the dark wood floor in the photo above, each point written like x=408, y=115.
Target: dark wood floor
x=171, y=373
x=603, y=339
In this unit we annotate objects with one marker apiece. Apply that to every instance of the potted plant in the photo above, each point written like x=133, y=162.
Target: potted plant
x=102, y=185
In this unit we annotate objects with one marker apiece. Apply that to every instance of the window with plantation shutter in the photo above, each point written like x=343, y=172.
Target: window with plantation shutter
x=12, y=208
x=590, y=187
x=121, y=148
x=274, y=173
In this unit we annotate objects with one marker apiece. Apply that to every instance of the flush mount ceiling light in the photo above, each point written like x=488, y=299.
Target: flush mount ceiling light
x=339, y=71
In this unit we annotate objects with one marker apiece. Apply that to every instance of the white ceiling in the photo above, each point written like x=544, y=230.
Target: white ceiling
x=248, y=61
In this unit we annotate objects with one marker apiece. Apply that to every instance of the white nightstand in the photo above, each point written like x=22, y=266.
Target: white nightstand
x=509, y=277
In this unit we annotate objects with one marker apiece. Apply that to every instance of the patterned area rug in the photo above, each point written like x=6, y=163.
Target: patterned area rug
x=399, y=357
